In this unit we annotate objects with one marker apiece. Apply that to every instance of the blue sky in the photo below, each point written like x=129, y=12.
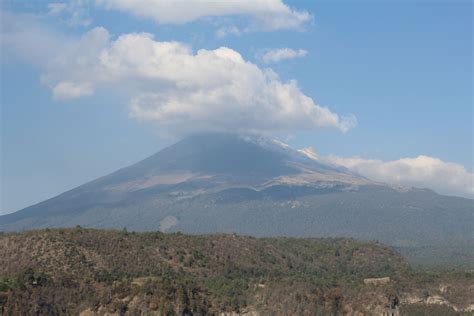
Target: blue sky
x=402, y=69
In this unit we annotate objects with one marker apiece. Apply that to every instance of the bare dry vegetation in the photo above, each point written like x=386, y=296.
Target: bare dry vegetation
x=73, y=271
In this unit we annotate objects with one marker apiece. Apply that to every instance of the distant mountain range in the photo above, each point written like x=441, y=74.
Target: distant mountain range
x=251, y=185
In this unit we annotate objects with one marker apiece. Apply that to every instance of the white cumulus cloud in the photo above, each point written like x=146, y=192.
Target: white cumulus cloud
x=279, y=54
x=267, y=15
x=422, y=171
x=186, y=91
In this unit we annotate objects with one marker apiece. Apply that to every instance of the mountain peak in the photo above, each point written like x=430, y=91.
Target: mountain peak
x=254, y=185
x=236, y=154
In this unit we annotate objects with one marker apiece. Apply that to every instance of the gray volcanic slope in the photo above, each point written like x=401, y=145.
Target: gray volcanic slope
x=227, y=183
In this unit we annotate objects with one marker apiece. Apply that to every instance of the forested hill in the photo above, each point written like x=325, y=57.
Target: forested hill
x=73, y=271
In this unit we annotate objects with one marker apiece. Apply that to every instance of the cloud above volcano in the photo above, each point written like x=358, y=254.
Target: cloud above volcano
x=186, y=91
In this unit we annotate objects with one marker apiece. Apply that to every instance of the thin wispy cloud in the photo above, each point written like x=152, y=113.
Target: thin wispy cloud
x=24, y=37
x=230, y=30
x=74, y=12
x=56, y=8
x=279, y=54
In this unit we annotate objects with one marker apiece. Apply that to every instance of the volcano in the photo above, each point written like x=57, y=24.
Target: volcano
x=256, y=186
